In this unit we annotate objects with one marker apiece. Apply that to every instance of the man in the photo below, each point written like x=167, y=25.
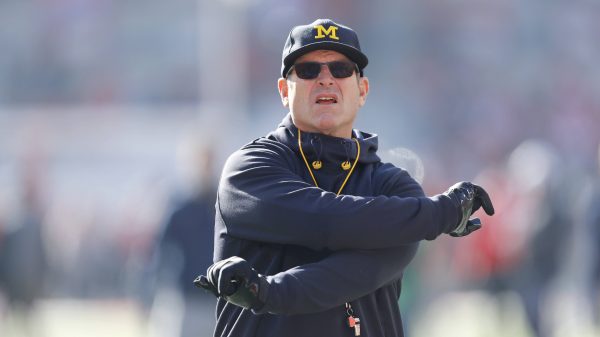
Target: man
x=312, y=230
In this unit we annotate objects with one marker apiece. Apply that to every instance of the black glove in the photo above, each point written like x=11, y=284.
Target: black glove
x=469, y=198
x=236, y=281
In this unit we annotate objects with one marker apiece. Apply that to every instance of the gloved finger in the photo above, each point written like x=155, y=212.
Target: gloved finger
x=212, y=273
x=202, y=282
x=227, y=280
x=476, y=205
x=473, y=225
x=484, y=199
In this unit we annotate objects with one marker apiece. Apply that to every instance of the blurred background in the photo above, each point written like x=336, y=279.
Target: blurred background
x=116, y=117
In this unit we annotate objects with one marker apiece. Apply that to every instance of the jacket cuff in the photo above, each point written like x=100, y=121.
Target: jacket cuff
x=449, y=211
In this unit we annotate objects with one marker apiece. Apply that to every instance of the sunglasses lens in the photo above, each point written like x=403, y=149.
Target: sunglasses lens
x=311, y=70
x=341, y=69
x=308, y=70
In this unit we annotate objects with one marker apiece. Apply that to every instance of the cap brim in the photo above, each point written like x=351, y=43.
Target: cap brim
x=352, y=53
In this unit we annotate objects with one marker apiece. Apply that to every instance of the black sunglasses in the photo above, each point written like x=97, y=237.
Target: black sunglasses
x=311, y=70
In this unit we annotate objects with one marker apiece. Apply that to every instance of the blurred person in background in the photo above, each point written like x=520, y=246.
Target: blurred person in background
x=554, y=276
x=546, y=252
x=590, y=257
x=23, y=259
x=520, y=252
x=327, y=225
x=595, y=223
x=186, y=243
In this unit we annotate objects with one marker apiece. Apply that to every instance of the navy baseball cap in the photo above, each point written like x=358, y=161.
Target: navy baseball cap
x=322, y=34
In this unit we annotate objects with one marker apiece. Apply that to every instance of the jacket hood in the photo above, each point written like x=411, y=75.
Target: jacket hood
x=322, y=147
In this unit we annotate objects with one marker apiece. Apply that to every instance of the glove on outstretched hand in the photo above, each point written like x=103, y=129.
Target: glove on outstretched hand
x=236, y=281
x=469, y=198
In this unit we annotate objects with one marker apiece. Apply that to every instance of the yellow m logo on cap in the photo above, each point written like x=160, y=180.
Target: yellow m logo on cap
x=323, y=32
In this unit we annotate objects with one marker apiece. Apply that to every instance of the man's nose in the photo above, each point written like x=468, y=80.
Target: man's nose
x=325, y=77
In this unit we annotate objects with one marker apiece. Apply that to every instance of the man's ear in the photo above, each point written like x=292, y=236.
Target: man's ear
x=363, y=87
x=283, y=91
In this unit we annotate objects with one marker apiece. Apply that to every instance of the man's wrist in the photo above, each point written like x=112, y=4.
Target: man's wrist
x=458, y=209
x=263, y=293
x=462, y=195
x=450, y=212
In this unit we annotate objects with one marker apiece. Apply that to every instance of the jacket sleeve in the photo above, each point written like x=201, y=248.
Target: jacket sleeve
x=261, y=199
x=344, y=275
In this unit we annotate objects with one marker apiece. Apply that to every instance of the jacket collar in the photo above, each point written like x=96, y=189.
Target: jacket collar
x=327, y=148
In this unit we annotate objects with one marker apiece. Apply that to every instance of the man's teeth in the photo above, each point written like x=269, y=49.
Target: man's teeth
x=326, y=99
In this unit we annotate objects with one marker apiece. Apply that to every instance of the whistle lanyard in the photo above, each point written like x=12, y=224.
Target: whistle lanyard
x=311, y=172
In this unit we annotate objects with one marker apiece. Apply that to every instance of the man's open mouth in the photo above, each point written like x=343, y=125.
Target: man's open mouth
x=326, y=100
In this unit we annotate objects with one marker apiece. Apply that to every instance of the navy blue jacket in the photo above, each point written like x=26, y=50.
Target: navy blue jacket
x=320, y=250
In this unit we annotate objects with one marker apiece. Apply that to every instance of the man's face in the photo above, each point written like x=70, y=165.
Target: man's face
x=325, y=104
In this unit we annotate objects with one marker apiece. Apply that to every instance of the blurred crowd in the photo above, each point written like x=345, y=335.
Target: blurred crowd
x=115, y=118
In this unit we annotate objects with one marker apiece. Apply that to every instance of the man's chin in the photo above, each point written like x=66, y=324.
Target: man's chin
x=326, y=121
x=331, y=127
